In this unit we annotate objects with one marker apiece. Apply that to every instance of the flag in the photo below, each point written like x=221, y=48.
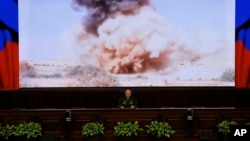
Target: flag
x=9, y=62
x=242, y=44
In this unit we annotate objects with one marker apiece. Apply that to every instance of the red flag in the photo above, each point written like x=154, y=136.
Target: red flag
x=242, y=65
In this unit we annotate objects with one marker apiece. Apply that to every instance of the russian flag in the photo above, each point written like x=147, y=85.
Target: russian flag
x=9, y=62
x=242, y=75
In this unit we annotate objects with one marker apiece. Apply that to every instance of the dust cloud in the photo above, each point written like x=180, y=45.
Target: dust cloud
x=128, y=36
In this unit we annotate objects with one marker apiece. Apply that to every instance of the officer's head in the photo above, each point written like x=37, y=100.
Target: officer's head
x=127, y=93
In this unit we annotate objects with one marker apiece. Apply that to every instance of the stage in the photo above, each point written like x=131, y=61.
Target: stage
x=54, y=122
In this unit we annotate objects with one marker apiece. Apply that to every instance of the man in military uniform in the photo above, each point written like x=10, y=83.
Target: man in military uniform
x=127, y=101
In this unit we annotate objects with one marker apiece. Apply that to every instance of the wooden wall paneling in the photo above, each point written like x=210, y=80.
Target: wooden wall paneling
x=148, y=97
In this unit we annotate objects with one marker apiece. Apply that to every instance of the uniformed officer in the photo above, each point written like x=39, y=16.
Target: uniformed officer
x=127, y=101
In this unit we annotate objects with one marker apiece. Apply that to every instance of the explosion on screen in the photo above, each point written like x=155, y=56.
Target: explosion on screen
x=128, y=36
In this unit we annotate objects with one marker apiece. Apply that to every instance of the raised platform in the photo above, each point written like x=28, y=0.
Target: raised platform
x=53, y=120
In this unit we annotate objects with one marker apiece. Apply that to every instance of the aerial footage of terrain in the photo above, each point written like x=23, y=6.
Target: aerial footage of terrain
x=119, y=43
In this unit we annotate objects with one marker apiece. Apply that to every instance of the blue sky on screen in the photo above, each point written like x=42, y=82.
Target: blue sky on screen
x=42, y=22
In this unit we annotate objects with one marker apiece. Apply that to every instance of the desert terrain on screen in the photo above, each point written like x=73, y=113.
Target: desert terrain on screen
x=120, y=43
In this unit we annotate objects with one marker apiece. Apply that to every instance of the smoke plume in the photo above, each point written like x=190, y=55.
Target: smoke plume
x=100, y=10
x=128, y=36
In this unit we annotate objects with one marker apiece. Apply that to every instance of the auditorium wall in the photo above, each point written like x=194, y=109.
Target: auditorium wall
x=108, y=97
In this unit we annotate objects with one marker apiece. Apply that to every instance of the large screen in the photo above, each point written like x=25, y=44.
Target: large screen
x=121, y=43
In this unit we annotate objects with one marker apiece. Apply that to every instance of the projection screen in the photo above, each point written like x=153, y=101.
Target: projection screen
x=121, y=43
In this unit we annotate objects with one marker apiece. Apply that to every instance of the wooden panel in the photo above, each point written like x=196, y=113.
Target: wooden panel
x=80, y=118
x=53, y=120
x=148, y=97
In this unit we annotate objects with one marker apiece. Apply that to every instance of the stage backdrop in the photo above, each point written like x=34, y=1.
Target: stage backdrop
x=112, y=43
